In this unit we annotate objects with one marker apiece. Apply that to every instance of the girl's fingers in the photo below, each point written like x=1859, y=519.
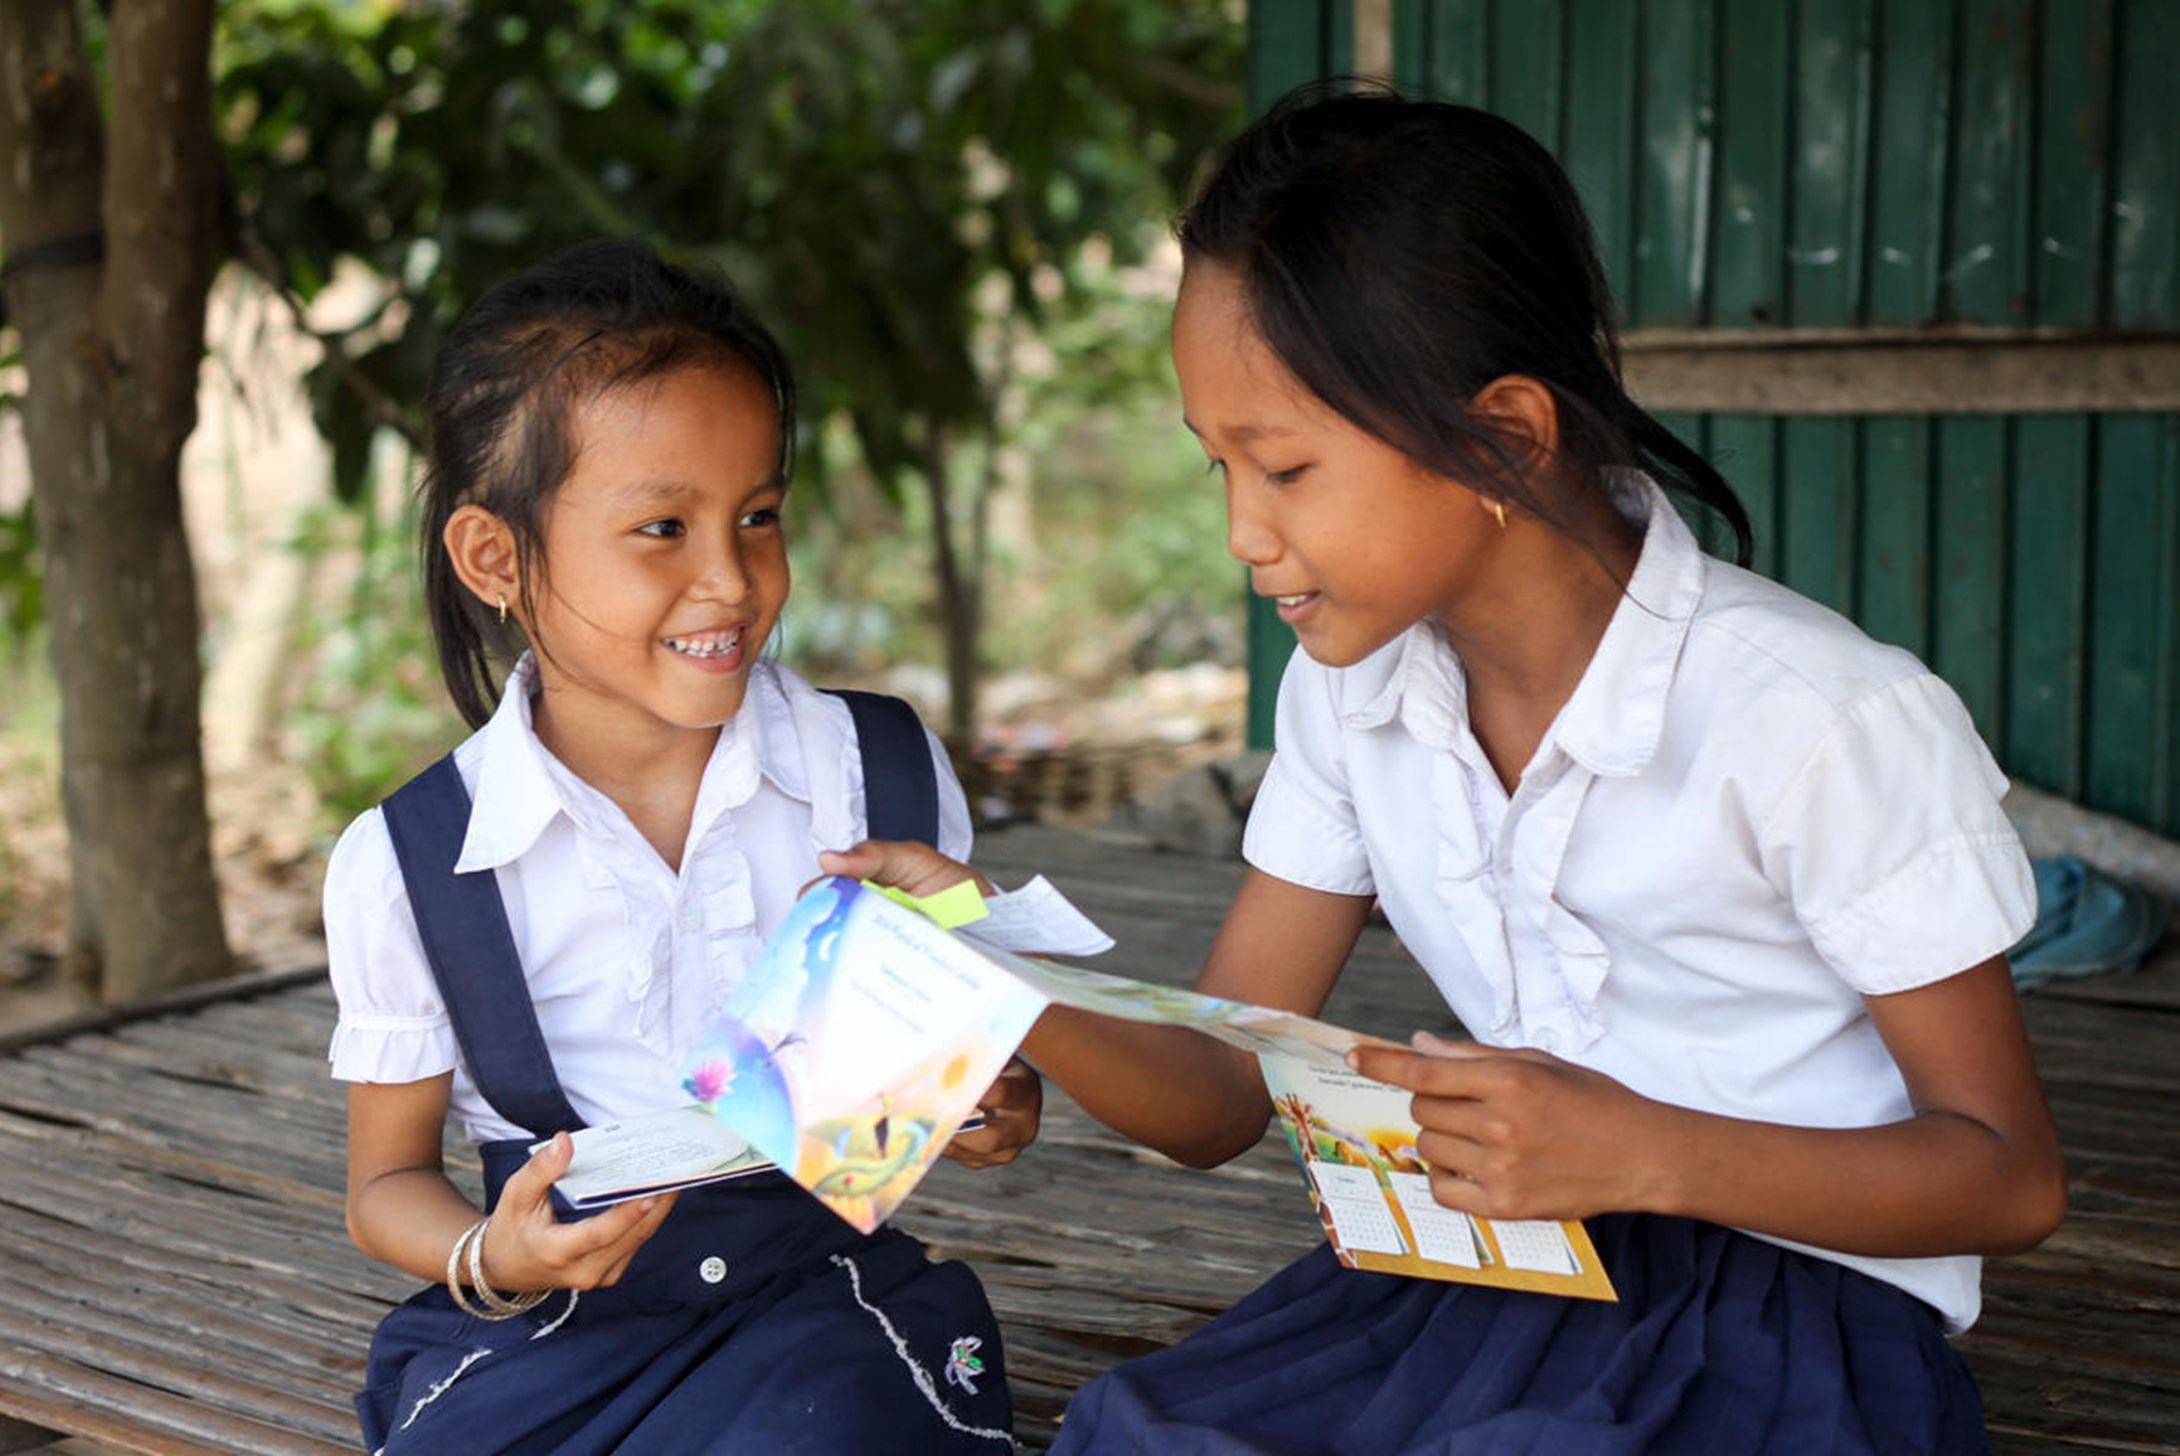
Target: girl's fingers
x=1439, y=1046
x=1462, y=1072
x=623, y=1228
x=904, y=864
x=530, y=1185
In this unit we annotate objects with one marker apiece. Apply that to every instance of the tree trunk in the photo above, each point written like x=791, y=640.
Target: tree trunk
x=960, y=591
x=111, y=346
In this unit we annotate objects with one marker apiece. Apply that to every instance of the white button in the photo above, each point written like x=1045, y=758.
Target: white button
x=712, y=1270
x=1548, y=1041
x=691, y=917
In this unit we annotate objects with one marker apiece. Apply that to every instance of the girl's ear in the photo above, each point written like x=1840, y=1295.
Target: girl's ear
x=1524, y=414
x=481, y=549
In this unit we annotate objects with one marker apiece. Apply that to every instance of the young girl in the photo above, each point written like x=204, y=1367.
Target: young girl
x=1720, y=886
x=611, y=444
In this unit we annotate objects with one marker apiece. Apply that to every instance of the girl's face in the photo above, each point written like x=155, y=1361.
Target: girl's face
x=1355, y=541
x=664, y=563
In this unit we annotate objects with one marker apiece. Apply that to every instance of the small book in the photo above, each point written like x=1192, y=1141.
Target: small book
x=865, y=1031
x=681, y=1147
x=660, y=1152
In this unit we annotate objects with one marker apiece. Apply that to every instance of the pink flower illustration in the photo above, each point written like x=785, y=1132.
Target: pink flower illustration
x=710, y=1081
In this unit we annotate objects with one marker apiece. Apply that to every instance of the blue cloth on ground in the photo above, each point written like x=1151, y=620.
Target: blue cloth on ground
x=2086, y=923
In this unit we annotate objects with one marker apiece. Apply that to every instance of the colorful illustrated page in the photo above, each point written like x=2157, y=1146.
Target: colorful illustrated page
x=1257, y=1029
x=860, y=1040
x=1357, y=1148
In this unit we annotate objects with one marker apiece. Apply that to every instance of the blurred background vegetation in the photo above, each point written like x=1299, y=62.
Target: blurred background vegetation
x=954, y=212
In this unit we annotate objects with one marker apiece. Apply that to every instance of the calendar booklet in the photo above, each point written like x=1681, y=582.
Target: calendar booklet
x=1357, y=1148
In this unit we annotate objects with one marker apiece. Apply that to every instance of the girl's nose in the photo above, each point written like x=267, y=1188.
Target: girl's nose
x=1248, y=539
x=725, y=577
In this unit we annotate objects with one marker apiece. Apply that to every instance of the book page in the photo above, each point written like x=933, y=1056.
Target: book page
x=1356, y=1146
x=678, y=1148
x=660, y=1152
x=1252, y=1028
x=859, y=1041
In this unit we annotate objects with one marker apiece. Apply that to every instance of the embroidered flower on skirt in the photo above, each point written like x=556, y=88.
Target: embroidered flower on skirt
x=964, y=1364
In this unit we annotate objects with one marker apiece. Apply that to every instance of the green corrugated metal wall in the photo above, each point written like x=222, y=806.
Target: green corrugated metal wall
x=1883, y=164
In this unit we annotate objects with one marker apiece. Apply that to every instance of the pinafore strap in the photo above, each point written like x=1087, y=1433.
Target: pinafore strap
x=463, y=922
x=900, y=786
x=463, y=925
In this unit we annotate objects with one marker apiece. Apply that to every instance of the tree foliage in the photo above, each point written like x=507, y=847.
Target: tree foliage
x=863, y=168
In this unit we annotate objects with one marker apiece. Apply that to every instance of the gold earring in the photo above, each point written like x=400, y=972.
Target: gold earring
x=1498, y=508
x=503, y=602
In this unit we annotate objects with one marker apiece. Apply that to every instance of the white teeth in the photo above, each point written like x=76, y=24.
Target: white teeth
x=705, y=646
x=1294, y=601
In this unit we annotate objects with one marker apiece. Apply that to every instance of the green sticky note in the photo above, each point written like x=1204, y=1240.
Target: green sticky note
x=949, y=909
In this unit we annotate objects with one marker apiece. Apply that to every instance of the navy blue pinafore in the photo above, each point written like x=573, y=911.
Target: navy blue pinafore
x=1720, y=1345
x=754, y=1320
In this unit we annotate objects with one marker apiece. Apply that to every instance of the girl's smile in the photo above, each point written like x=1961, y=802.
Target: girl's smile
x=664, y=566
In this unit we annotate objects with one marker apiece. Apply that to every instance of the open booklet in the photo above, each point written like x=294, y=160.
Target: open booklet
x=866, y=1030
x=1357, y=1147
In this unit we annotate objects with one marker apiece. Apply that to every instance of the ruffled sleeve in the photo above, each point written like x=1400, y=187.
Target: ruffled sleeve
x=393, y=1026
x=1892, y=846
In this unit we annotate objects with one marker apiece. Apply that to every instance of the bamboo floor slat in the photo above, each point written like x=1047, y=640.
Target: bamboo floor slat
x=175, y=1279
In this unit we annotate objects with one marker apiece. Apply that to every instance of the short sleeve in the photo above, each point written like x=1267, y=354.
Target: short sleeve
x=956, y=837
x=392, y=1026
x=1302, y=827
x=1891, y=844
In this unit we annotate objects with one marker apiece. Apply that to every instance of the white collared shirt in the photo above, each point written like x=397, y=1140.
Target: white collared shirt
x=626, y=959
x=1746, y=817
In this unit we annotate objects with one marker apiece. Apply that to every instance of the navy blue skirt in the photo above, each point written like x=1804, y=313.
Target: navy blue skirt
x=1721, y=1343
x=753, y=1321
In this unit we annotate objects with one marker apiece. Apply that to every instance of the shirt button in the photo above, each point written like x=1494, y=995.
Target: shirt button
x=1548, y=1041
x=712, y=1270
x=691, y=918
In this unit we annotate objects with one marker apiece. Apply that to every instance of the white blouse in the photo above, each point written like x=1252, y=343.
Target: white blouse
x=1747, y=817
x=626, y=959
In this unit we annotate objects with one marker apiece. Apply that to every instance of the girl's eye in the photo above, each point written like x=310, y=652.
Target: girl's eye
x=761, y=517
x=1285, y=477
x=668, y=529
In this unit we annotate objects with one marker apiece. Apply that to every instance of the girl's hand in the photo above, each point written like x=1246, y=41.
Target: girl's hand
x=1012, y=1107
x=1519, y=1134
x=902, y=863
x=528, y=1247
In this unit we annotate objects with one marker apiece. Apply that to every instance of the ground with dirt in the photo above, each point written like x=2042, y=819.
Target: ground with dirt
x=266, y=841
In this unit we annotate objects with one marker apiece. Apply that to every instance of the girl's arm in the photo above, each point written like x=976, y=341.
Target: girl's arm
x=1976, y=1169
x=1194, y=1099
x=403, y=1210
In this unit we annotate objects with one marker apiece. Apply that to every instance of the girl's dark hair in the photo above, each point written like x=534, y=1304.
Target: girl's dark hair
x=1400, y=255
x=502, y=394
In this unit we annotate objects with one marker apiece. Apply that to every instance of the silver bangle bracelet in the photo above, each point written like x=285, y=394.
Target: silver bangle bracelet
x=467, y=1255
x=455, y=1256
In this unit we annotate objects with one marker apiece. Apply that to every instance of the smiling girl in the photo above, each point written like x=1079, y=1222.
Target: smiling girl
x=531, y=936
x=1720, y=887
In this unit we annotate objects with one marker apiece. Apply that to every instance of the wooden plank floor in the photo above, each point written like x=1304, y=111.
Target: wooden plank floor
x=174, y=1278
